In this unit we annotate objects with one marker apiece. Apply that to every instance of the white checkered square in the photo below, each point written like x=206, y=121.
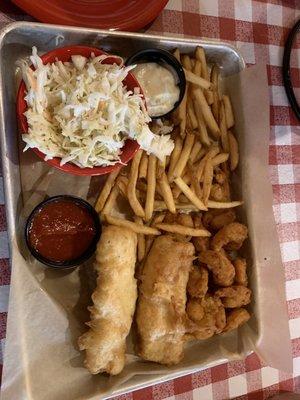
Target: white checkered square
x=274, y=14
x=275, y=55
x=283, y=135
x=209, y=8
x=292, y=289
x=203, y=393
x=237, y=386
x=288, y=213
x=174, y=5
x=4, y=252
x=296, y=366
x=269, y=376
x=247, y=50
x=1, y=191
x=4, y=293
x=243, y=10
x=278, y=96
x=286, y=174
x=294, y=328
x=290, y=251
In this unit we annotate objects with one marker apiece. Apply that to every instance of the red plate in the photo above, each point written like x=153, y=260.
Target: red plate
x=129, y=15
x=64, y=54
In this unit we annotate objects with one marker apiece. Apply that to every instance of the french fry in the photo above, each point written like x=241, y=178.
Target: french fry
x=166, y=191
x=191, y=114
x=189, y=194
x=201, y=153
x=143, y=166
x=228, y=111
x=184, y=156
x=214, y=77
x=195, y=151
x=181, y=207
x=202, y=131
x=122, y=183
x=197, y=68
x=207, y=180
x=192, y=120
x=151, y=183
x=186, y=62
x=196, y=80
x=234, y=151
x=111, y=201
x=106, y=190
x=206, y=112
x=131, y=187
x=195, y=185
x=176, y=54
x=176, y=190
x=175, y=156
x=212, y=152
x=137, y=228
x=219, y=159
x=223, y=204
x=141, y=245
x=183, y=230
x=200, y=55
x=223, y=128
x=182, y=114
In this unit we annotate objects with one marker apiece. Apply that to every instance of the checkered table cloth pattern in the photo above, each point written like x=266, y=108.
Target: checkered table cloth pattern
x=258, y=29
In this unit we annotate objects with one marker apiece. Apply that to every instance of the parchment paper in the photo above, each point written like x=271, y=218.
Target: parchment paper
x=47, y=309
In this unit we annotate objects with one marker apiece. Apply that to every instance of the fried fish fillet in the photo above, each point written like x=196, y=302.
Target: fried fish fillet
x=114, y=302
x=161, y=304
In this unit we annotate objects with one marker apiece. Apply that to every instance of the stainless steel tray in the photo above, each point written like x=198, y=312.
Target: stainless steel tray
x=16, y=41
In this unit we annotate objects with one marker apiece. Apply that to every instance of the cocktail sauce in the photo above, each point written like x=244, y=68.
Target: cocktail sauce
x=61, y=230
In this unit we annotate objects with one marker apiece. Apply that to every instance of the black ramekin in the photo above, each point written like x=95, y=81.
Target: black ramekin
x=76, y=261
x=167, y=60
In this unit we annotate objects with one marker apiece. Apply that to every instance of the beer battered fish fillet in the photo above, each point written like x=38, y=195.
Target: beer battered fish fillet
x=161, y=304
x=114, y=302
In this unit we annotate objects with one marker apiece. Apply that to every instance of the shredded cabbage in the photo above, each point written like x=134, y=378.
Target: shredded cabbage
x=81, y=112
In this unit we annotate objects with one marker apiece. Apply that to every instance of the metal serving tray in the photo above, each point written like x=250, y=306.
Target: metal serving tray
x=16, y=41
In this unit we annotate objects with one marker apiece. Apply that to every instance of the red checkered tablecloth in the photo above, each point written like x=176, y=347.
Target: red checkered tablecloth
x=258, y=29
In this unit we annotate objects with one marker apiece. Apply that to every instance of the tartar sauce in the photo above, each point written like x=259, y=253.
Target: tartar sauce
x=159, y=87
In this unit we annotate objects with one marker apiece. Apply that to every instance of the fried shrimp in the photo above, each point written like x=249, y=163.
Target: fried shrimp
x=213, y=319
x=234, y=296
x=234, y=232
x=236, y=318
x=221, y=267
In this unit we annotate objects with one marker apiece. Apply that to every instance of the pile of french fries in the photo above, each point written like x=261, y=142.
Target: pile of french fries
x=195, y=177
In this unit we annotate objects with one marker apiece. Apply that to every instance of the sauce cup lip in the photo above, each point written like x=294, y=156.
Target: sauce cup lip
x=68, y=263
x=156, y=55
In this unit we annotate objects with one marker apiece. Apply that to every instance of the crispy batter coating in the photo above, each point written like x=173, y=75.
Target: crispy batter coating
x=234, y=232
x=213, y=320
x=200, y=243
x=236, y=318
x=234, y=296
x=161, y=316
x=114, y=302
x=223, y=219
x=217, y=192
x=240, y=266
x=221, y=267
x=198, y=282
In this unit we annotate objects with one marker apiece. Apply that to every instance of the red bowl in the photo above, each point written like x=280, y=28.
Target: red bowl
x=64, y=54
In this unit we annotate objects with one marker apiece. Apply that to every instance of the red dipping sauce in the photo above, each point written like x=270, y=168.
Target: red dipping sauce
x=61, y=230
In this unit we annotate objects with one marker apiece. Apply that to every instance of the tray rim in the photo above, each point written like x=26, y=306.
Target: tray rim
x=8, y=194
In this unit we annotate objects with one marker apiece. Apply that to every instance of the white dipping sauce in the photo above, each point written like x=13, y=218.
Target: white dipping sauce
x=159, y=87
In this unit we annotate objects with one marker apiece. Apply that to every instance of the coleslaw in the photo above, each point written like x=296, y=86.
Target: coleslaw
x=82, y=112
